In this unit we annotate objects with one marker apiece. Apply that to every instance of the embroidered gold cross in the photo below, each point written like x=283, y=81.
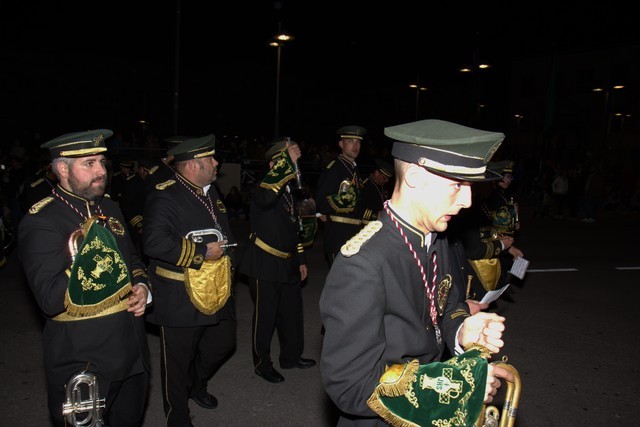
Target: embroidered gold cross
x=443, y=385
x=102, y=265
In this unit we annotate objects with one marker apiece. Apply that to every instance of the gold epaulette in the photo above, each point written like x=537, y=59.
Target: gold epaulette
x=330, y=164
x=165, y=185
x=106, y=196
x=353, y=244
x=37, y=206
x=153, y=170
x=36, y=182
x=130, y=177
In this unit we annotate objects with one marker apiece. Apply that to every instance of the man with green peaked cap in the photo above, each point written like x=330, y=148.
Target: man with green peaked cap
x=338, y=192
x=87, y=276
x=389, y=305
x=186, y=230
x=275, y=264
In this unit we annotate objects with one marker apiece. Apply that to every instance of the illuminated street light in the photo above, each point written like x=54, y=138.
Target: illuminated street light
x=607, y=108
x=278, y=41
x=418, y=89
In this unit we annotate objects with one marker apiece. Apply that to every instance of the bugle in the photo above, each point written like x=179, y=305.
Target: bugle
x=490, y=416
x=75, y=404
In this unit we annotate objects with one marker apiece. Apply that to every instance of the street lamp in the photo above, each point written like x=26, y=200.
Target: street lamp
x=278, y=41
x=607, y=118
x=418, y=89
x=518, y=118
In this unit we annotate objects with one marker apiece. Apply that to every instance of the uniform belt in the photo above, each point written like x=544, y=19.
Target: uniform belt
x=168, y=274
x=273, y=251
x=345, y=220
x=121, y=306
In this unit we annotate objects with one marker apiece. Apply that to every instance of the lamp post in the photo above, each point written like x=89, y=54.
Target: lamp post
x=606, y=108
x=418, y=89
x=278, y=41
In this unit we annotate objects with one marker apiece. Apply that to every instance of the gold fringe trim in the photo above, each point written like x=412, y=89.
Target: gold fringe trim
x=74, y=310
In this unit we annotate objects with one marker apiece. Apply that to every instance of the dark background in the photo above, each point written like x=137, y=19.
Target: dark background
x=69, y=66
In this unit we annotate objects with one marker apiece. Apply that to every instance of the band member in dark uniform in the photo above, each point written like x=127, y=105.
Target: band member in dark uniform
x=389, y=304
x=275, y=265
x=501, y=211
x=93, y=298
x=120, y=178
x=185, y=232
x=40, y=187
x=374, y=191
x=338, y=192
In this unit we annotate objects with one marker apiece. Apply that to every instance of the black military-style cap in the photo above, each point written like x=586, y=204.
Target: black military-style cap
x=277, y=148
x=78, y=144
x=446, y=148
x=126, y=163
x=385, y=168
x=501, y=167
x=356, y=132
x=194, y=148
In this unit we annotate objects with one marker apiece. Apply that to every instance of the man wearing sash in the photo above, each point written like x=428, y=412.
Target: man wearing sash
x=185, y=233
x=275, y=265
x=89, y=282
x=389, y=306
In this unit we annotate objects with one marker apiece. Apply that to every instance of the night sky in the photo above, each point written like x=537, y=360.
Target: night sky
x=70, y=66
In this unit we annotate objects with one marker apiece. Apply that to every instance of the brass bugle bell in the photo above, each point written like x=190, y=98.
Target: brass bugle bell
x=76, y=405
x=76, y=237
x=490, y=416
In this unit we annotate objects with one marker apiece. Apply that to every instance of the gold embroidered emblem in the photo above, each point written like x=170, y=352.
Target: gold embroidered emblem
x=37, y=207
x=444, y=385
x=221, y=206
x=443, y=291
x=102, y=265
x=97, y=140
x=116, y=226
x=353, y=245
x=198, y=259
x=166, y=184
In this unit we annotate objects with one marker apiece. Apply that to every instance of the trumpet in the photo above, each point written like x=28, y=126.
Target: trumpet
x=75, y=404
x=490, y=415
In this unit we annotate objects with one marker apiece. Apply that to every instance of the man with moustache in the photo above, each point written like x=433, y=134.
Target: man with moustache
x=101, y=286
x=185, y=236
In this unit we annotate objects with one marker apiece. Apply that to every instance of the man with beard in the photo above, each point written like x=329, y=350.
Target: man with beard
x=186, y=234
x=100, y=285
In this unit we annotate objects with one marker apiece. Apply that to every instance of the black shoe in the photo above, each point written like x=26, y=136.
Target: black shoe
x=207, y=401
x=270, y=374
x=301, y=364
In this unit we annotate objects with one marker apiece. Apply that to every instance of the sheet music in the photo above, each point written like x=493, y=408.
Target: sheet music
x=519, y=267
x=491, y=296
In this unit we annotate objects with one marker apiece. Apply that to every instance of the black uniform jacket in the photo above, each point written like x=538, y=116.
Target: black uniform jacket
x=171, y=212
x=344, y=216
x=376, y=313
x=115, y=345
x=373, y=197
x=274, y=234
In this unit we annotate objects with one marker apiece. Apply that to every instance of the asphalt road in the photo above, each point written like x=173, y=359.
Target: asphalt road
x=572, y=332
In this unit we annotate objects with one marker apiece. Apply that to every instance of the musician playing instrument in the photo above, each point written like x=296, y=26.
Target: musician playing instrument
x=185, y=232
x=275, y=265
x=389, y=306
x=92, y=300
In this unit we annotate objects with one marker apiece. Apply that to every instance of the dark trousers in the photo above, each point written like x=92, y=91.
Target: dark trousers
x=278, y=306
x=125, y=401
x=189, y=358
